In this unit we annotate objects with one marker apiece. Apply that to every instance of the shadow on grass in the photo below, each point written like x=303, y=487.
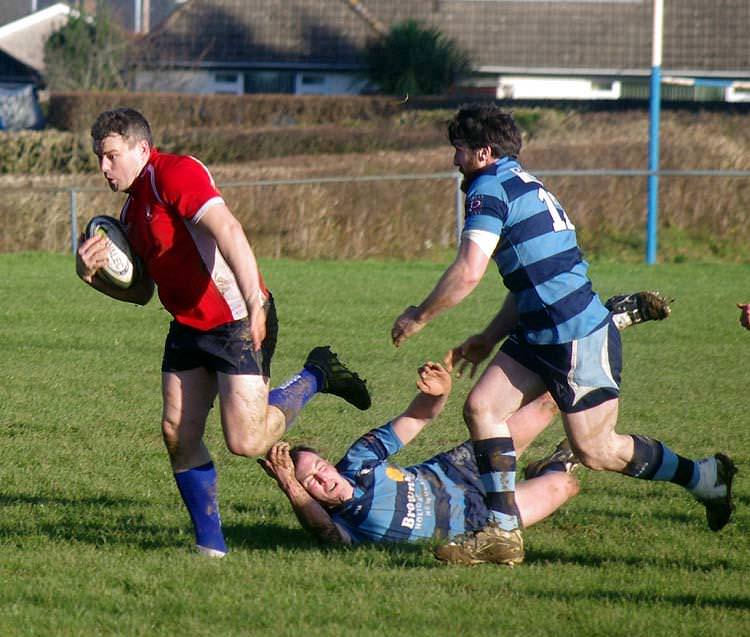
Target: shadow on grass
x=109, y=521
x=417, y=555
x=266, y=537
x=589, y=559
x=651, y=599
x=99, y=521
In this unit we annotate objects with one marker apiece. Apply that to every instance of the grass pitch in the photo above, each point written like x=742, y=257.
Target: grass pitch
x=94, y=539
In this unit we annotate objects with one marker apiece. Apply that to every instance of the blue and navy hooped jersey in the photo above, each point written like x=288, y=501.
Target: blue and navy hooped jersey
x=437, y=499
x=536, y=253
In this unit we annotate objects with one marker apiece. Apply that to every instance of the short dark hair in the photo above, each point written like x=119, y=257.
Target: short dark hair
x=478, y=125
x=127, y=122
x=295, y=451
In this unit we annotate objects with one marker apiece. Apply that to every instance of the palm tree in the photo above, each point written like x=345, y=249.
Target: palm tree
x=415, y=60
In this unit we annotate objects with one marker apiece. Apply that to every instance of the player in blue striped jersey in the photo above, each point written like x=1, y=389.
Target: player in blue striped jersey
x=560, y=338
x=367, y=498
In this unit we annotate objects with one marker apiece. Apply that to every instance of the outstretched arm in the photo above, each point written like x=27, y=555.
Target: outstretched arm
x=434, y=384
x=311, y=515
x=457, y=282
x=479, y=346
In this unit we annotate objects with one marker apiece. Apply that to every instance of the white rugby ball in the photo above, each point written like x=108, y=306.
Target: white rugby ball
x=121, y=269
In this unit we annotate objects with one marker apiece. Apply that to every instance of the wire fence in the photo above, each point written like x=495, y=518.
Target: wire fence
x=73, y=193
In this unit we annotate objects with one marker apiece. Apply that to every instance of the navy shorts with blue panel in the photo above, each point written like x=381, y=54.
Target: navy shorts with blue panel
x=580, y=374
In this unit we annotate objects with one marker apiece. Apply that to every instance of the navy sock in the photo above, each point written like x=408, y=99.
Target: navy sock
x=496, y=461
x=653, y=460
x=198, y=490
x=295, y=393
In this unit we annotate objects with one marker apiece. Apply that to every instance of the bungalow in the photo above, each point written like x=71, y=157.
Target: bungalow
x=22, y=62
x=590, y=49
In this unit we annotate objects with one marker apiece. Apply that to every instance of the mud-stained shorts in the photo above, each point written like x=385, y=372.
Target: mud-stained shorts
x=227, y=348
x=581, y=374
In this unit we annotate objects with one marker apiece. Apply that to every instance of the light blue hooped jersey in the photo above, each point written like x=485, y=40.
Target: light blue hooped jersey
x=436, y=499
x=536, y=253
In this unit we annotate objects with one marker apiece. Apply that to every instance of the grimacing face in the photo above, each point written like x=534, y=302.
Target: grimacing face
x=321, y=479
x=121, y=160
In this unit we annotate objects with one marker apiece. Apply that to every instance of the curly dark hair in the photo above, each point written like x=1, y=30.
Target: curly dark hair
x=478, y=125
x=127, y=122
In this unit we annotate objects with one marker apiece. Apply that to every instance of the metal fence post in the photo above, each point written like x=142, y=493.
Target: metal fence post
x=653, y=136
x=73, y=220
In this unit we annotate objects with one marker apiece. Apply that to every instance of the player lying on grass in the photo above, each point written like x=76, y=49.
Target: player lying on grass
x=365, y=498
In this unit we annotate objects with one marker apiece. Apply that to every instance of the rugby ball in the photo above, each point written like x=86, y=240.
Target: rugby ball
x=121, y=269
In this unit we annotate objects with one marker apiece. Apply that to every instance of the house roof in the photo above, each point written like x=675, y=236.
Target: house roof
x=24, y=39
x=263, y=31
x=11, y=10
x=505, y=36
x=123, y=12
x=23, y=33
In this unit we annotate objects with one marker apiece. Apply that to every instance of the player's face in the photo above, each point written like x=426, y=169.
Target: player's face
x=121, y=160
x=321, y=480
x=469, y=161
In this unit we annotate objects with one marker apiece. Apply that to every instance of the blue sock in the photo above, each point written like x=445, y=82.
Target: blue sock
x=198, y=490
x=294, y=394
x=496, y=461
x=653, y=460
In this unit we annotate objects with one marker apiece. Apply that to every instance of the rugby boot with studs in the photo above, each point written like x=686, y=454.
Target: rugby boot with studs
x=562, y=455
x=490, y=544
x=639, y=307
x=339, y=380
x=714, y=489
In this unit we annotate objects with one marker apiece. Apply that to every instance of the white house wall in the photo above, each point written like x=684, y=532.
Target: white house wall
x=312, y=83
x=189, y=81
x=523, y=88
x=232, y=82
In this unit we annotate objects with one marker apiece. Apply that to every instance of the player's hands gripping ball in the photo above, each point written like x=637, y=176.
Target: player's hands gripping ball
x=106, y=251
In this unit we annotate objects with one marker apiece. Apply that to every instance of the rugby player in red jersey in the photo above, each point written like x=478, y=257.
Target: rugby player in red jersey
x=223, y=334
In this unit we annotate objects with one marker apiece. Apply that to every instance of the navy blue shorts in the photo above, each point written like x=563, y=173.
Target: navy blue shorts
x=227, y=348
x=459, y=466
x=581, y=374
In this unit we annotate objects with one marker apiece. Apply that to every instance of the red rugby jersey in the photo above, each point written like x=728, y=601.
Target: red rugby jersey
x=166, y=202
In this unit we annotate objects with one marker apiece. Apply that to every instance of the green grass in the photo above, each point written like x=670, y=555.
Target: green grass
x=94, y=539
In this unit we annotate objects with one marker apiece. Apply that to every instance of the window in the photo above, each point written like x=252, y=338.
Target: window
x=225, y=78
x=269, y=82
x=601, y=86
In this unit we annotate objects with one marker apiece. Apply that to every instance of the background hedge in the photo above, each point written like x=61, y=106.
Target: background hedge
x=700, y=217
x=76, y=111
